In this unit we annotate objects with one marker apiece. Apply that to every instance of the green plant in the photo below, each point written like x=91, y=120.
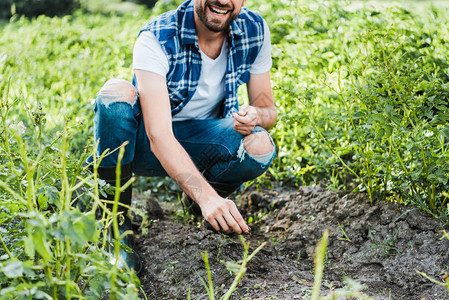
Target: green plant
x=370, y=104
x=239, y=270
x=382, y=248
x=53, y=249
x=397, y=110
x=346, y=238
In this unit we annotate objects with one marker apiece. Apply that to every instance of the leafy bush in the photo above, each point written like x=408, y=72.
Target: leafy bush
x=362, y=100
x=48, y=77
x=50, y=249
x=397, y=115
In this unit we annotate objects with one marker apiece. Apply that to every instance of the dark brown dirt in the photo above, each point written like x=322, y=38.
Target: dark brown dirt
x=384, y=245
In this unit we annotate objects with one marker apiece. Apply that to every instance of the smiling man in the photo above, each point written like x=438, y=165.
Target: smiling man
x=181, y=115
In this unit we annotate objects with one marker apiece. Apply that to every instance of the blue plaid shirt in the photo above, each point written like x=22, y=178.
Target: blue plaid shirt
x=176, y=33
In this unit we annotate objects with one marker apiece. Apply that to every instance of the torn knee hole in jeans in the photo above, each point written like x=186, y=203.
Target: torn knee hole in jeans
x=110, y=97
x=263, y=159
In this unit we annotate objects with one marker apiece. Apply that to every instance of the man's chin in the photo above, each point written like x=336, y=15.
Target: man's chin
x=218, y=26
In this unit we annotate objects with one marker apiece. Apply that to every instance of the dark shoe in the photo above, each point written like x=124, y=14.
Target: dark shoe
x=127, y=254
x=191, y=206
x=108, y=175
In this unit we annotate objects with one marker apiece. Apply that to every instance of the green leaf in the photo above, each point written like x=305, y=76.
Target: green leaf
x=432, y=177
x=442, y=179
x=90, y=226
x=42, y=295
x=378, y=117
x=13, y=269
x=42, y=201
x=388, y=131
x=380, y=133
x=445, y=132
x=232, y=266
x=29, y=247
x=58, y=234
x=79, y=227
x=396, y=118
x=41, y=244
x=358, y=115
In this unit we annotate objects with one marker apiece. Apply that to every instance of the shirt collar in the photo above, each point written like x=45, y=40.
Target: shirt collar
x=188, y=31
x=235, y=27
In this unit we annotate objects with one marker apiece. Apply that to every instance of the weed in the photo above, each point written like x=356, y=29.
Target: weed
x=298, y=257
x=385, y=247
x=238, y=269
x=346, y=238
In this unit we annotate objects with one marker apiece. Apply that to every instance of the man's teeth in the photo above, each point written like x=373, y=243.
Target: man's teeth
x=218, y=11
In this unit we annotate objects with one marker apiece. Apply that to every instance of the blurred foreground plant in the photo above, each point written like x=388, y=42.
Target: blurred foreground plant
x=50, y=249
x=352, y=288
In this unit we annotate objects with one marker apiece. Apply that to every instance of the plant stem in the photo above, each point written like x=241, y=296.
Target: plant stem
x=242, y=269
x=406, y=171
x=320, y=253
x=66, y=199
x=118, y=173
x=323, y=138
x=210, y=289
x=5, y=247
x=29, y=170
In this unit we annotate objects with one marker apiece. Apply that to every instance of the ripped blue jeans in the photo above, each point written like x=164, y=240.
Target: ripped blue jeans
x=215, y=147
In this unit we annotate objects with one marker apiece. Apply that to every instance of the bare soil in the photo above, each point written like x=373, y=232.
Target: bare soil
x=380, y=246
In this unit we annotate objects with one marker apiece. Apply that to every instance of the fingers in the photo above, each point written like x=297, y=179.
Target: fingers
x=243, y=110
x=243, y=129
x=239, y=219
x=242, y=126
x=224, y=223
x=228, y=218
x=214, y=224
x=247, y=118
x=243, y=119
x=220, y=223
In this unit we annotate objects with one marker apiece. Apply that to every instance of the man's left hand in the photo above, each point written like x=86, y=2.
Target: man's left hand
x=246, y=119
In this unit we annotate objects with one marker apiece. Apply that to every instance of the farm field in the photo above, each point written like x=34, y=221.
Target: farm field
x=362, y=90
x=380, y=246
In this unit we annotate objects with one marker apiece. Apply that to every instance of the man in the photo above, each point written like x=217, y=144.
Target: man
x=181, y=116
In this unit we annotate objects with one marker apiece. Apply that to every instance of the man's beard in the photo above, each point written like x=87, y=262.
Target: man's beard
x=215, y=25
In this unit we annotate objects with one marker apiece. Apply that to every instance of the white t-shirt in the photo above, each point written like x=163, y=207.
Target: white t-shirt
x=206, y=101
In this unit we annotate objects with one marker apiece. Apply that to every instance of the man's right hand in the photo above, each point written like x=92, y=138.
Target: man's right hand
x=223, y=214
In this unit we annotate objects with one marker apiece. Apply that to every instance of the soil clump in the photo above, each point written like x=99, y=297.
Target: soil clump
x=380, y=246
